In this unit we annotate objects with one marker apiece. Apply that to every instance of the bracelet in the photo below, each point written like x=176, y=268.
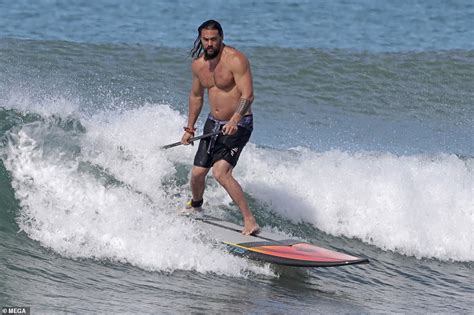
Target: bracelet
x=190, y=130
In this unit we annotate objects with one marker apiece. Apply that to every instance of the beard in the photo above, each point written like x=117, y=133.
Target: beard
x=214, y=52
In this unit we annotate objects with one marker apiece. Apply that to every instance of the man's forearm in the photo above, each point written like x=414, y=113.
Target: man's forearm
x=195, y=107
x=243, y=106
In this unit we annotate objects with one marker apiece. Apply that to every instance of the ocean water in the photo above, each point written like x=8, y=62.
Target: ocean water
x=363, y=143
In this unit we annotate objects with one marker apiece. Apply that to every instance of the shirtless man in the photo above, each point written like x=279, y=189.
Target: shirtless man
x=225, y=73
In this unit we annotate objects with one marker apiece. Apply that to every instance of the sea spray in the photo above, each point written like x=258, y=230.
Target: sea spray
x=417, y=205
x=74, y=213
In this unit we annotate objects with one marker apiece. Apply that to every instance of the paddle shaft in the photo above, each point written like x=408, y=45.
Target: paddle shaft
x=207, y=135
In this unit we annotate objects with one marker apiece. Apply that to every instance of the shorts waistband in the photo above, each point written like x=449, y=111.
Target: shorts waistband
x=245, y=122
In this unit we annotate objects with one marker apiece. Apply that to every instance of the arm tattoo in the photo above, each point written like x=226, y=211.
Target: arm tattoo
x=243, y=107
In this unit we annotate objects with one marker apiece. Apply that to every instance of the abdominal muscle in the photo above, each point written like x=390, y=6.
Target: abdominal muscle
x=223, y=103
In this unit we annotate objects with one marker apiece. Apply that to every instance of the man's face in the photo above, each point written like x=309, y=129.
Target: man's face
x=211, y=42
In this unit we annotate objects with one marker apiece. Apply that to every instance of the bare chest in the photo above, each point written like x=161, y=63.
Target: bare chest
x=219, y=77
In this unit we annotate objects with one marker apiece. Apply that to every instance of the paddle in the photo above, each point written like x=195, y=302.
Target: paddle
x=207, y=135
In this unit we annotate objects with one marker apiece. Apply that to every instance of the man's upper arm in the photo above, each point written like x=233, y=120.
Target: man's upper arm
x=243, y=76
x=197, y=90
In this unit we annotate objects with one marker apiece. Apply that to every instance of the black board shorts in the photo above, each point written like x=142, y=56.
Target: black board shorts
x=223, y=147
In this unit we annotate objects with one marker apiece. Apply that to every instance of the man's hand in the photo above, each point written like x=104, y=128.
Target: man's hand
x=230, y=128
x=185, y=138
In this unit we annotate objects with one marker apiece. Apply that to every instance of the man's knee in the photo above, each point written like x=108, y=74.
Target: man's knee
x=198, y=172
x=222, y=171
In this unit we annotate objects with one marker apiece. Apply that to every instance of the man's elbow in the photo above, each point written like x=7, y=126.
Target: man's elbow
x=249, y=97
x=195, y=98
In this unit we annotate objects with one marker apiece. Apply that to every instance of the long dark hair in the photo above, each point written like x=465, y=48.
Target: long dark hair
x=209, y=25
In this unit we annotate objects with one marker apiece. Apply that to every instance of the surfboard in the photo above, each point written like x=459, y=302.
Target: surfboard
x=273, y=247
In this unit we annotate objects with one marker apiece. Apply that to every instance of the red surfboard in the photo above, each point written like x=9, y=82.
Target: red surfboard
x=275, y=248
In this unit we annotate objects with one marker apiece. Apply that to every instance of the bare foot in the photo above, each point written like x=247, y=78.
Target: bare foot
x=251, y=228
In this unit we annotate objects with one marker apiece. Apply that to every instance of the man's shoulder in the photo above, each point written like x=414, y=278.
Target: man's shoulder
x=235, y=57
x=234, y=52
x=198, y=60
x=197, y=63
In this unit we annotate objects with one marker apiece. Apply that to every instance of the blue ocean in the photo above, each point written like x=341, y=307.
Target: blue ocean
x=363, y=143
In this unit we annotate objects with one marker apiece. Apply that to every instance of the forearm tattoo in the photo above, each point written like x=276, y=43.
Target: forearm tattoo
x=243, y=107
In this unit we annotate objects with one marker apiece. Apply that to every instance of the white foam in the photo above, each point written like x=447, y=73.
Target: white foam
x=76, y=215
x=415, y=205
x=45, y=105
